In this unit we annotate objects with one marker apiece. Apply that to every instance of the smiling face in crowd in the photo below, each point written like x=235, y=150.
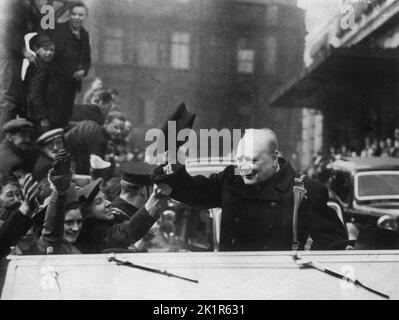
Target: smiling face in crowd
x=77, y=17
x=257, y=156
x=100, y=207
x=72, y=225
x=46, y=52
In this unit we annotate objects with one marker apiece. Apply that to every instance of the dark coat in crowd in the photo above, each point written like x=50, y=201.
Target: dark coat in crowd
x=14, y=159
x=42, y=166
x=86, y=138
x=99, y=235
x=40, y=84
x=72, y=54
x=18, y=17
x=87, y=112
x=124, y=207
x=259, y=217
x=12, y=230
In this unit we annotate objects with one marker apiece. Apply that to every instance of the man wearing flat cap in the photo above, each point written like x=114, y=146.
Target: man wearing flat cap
x=136, y=187
x=17, y=151
x=49, y=144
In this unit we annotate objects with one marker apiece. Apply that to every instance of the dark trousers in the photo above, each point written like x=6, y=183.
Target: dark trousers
x=61, y=101
x=12, y=96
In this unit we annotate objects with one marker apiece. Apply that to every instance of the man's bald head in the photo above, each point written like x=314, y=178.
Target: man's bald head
x=257, y=155
x=258, y=140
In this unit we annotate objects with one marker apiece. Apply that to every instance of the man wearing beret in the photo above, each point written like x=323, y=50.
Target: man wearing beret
x=17, y=151
x=257, y=199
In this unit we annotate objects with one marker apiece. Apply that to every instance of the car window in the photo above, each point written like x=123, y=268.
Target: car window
x=377, y=185
x=341, y=185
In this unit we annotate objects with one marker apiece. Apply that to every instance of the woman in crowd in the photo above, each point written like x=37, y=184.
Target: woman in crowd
x=63, y=219
x=103, y=229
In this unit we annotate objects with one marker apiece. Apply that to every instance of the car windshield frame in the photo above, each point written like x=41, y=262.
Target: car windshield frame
x=370, y=173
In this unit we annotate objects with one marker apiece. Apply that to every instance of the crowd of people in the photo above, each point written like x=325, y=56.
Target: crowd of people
x=373, y=147
x=68, y=180
x=69, y=183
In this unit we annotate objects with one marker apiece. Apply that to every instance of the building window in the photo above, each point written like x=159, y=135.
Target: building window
x=180, y=53
x=113, y=46
x=271, y=55
x=272, y=15
x=245, y=57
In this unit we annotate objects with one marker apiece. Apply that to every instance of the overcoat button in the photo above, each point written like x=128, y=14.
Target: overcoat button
x=233, y=241
x=273, y=204
x=237, y=220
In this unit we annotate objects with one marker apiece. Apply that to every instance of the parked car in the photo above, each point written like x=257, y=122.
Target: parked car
x=365, y=189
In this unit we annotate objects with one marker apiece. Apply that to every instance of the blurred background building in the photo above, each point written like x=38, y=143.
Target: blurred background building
x=351, y=77
x=224, y=58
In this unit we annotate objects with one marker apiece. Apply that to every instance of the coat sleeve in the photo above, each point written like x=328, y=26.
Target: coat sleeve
x=197, y=191
x=12, y=230
x=122, y=235
x=96, y=140
x=85, y=60
x=323, y=224
x=53, y=227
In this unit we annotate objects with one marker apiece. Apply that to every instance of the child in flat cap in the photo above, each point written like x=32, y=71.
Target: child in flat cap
x=38, y=81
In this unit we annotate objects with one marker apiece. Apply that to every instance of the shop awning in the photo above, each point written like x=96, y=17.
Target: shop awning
x=338, y=66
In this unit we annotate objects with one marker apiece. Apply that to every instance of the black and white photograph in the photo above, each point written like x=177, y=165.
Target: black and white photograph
x=199, y=154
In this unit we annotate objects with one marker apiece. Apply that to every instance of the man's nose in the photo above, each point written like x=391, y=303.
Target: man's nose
x=76, y=226
x=246, y=167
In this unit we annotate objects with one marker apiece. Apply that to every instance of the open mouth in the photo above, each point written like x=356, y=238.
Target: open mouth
x=76, y=23
x=72, y=235
x=109, y=213
x=249, y=176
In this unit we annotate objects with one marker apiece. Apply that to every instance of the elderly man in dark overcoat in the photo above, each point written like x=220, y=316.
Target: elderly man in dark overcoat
x=257, y=199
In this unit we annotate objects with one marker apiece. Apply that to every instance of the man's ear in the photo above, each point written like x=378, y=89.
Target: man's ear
x=275, y=157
